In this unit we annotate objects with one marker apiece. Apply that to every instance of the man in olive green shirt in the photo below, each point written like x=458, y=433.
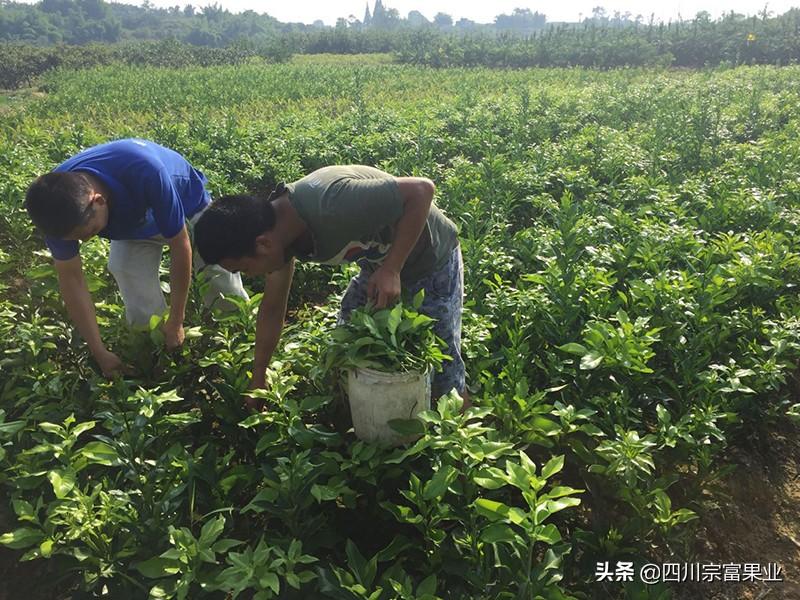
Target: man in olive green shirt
x=388, y=225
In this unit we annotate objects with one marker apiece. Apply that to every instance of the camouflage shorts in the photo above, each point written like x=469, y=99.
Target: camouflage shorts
x=444, y=300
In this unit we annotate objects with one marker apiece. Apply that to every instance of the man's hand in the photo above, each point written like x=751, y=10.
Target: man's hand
x=256, y=404
x=110, y=364
x=173, y=334
x=383, y=287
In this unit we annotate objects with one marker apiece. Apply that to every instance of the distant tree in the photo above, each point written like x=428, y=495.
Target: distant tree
x=392, y=16
x=703, y=17
x=94, y=9
x=443, y=20
x=417, y=19
x=378, y=13
x=522, y=19
x=367, y=16
x=201, y=36
x=63, y=7
x=213, y=12
x=599, y=13
x=734, y=38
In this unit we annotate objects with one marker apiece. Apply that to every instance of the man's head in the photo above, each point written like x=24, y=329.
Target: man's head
x=67, y=206
x=238, y=233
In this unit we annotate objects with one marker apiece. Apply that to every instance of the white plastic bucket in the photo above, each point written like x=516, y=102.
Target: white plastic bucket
x=377, y=397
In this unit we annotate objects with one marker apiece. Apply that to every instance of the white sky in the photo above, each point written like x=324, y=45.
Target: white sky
x=307, y=11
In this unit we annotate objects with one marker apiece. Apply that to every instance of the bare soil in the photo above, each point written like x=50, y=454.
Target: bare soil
x=759, y=522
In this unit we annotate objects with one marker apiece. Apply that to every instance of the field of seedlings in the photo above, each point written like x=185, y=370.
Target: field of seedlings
x=631, y=245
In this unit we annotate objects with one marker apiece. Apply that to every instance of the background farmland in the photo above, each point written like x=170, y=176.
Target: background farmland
x=631, y=331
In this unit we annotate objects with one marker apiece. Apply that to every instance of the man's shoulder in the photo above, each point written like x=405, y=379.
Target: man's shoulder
x=124, y=153
x=337, y=172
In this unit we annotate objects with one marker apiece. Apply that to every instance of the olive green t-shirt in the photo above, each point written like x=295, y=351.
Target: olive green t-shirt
x=352, y=211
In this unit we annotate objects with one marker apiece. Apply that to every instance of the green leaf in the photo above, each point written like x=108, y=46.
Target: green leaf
x=314, y=403
x=683, y=515
x=23, y=537
x=545, y=426
x=553, y=466
x=562, y=503
x=498, y=532
x=324, y=493
x=161, y=592
x=155, y=320
x=11, y=427
x=292, y=580
x=186, y=418
x=396, y=547
x=490, y=478
x=51, y=428
x=407, y=427
x=591, y=361
x=212, y=530
x=82, y=428
x=662, y=501
x=439, y=483
x=271, y=581
x=222, y=546
x=497, y=510
x=157, y=567
x=548, y=534
x=393, y=322
x=355, y=560
x=23, y=509
x=573, y=348
x=559, y=491
x=427, y=586
x=266, y=496
x=518, y=476
x=63, y=483
x=100, y=453
x=419, y=298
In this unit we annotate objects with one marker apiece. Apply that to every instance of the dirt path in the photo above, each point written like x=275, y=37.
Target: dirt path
x=759, y=522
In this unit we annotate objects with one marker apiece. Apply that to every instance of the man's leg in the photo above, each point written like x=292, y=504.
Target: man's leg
x=354, y=297
x=217, y=282
x=444, y=301
x=135, y=265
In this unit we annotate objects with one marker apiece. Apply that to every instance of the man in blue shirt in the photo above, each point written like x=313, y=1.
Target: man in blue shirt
x=141, y=196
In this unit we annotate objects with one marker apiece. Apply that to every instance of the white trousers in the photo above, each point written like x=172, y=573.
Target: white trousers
x=135, y=265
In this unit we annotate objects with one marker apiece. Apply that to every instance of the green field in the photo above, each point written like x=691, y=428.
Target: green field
x=632, y=257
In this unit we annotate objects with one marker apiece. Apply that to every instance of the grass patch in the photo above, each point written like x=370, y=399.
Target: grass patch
x=384, y=58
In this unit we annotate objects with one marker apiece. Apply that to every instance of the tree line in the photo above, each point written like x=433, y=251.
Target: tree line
x=79, y=22
x=82, y=33
x=701, y=42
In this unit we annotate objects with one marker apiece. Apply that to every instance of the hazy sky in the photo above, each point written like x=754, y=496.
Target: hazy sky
x=307, y=11
x=484, y=12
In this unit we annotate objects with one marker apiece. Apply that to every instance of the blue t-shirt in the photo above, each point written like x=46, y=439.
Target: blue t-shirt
x=153, y=191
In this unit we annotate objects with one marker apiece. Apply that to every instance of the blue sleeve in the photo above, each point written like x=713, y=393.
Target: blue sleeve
x=62, y=249
x=166, y=204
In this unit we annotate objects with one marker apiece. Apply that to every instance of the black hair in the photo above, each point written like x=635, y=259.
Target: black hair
x=57, y=202
x=229, y=227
